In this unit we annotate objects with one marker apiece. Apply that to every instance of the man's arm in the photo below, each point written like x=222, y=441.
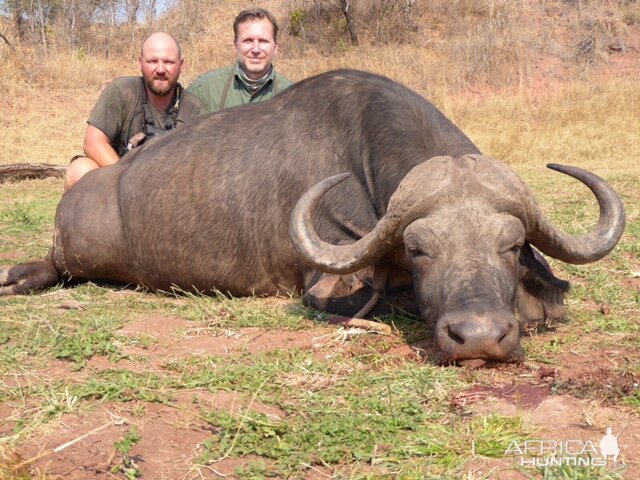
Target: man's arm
x=98, y=148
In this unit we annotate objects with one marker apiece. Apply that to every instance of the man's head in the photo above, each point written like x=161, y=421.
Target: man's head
x=161, y=63
x=255, y=35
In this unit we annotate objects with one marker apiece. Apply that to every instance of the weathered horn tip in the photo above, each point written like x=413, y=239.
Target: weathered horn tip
x=556, y=166
x=340, y=177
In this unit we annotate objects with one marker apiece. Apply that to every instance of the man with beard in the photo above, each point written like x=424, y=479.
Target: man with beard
x=132, y=109
x=252, y=78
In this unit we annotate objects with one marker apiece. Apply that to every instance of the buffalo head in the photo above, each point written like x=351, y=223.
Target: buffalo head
x=463, y=227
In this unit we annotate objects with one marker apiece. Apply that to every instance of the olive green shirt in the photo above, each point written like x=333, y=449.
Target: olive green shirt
x=210, y=86
x=118, y=111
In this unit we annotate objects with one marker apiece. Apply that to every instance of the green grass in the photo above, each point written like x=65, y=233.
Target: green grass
x=36, y=328
x=580, y=473
x=387, y=418
x=26, y=221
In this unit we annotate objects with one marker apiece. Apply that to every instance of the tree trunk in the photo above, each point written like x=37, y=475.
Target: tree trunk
x=132, y=18
x=23, y=171
x=350, y=25
x=6, y=41
x=150, y=12
x=18, y=20
x=42, y=24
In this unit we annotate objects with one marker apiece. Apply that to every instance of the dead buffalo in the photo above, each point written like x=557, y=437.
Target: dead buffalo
x=348, y=188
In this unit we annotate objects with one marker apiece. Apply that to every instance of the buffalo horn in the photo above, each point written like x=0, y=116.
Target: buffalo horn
x=592, y=246
x=337, y=258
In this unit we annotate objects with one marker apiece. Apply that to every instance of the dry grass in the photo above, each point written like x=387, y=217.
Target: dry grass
x=43, y=125
x=594, y=125
x=461, y=54
x=460, y=44
x=10, y=468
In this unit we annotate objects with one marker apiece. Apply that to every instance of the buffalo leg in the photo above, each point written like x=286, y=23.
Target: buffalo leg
x=340, y=294
x=27, y=278
x=380, y=274
x=355, y=295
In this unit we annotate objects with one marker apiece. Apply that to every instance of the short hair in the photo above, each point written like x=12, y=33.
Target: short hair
x=163, y=33
x=255, y=14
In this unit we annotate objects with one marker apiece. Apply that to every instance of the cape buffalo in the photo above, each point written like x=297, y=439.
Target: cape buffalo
x=347, y=188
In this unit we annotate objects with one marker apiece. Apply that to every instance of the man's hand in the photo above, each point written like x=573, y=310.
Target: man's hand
x=137, y=140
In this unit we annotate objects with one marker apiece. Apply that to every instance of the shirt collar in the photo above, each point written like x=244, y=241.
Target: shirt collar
x=252, y=86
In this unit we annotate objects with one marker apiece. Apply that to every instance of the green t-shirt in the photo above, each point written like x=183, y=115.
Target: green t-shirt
x=118, y=112
x=210, y=86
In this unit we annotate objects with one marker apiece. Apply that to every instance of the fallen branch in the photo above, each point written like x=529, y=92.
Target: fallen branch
x=117, y=421
x=23, y=171
x=361, y=323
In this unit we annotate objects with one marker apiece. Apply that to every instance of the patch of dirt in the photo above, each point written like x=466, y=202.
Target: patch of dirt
x=6, y=425
x=169, y=439
x=577, y=364
x=171, y=436
x=55, y=370
x=10, y=255
x=633, y=283
x=520, y=395
x=493, y=468
x=405, y=351
x=156, y=326
x=178, y=336
x=248, y=340
x=319, y=472
x=561, y=418
x=234, y=403
x=55, y=456
x=176, y=339
x=603, y=384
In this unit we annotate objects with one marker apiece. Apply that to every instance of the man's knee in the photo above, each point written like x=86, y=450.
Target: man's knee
x=78, y=168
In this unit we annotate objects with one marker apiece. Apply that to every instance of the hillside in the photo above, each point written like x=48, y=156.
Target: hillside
x=465, y=44
x=442, y=49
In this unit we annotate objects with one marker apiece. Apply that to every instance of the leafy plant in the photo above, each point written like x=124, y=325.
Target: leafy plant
x=127, y=465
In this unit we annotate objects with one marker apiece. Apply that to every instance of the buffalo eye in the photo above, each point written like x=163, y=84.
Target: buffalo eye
x=417, y=252
x=514, y=249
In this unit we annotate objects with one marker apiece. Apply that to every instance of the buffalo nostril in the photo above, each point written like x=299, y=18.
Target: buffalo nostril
x=454, y=336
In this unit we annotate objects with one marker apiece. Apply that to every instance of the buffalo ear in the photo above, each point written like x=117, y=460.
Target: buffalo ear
x=540, y=293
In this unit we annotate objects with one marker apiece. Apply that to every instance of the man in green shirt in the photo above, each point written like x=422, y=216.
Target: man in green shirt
x=131, y=109
x=253, y=77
